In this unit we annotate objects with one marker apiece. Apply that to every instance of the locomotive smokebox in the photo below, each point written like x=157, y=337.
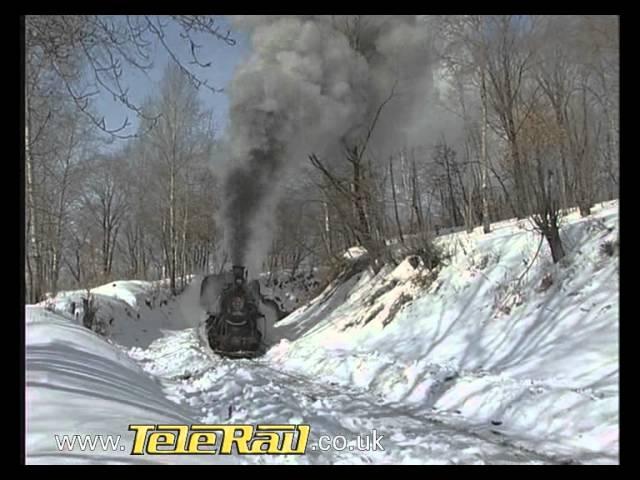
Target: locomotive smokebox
x=239, y=274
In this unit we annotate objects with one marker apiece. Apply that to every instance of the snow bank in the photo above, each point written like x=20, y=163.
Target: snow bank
x=135, y=313
x=499, y=338
x=78, y=384
x=81, y=383
x=497, y=357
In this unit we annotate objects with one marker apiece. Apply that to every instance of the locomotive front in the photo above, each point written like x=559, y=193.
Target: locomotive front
x=234, y=331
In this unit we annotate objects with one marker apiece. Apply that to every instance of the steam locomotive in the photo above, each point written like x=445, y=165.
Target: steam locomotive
x=233, y=330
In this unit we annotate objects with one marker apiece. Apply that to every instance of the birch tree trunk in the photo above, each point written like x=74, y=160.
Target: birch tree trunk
x=172, y=228
x=184, y=238
x=32, y=224
x=486, y=223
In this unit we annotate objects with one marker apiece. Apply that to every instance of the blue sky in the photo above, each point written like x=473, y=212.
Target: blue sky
x=224, y=58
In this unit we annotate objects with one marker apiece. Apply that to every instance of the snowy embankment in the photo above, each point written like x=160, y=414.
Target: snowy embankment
x=79, y=383
x=499, y=357
x=500, y=340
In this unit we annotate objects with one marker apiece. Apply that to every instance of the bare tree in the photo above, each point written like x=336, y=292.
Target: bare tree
x=465, y=56
x=181, y=135
x=101, y=46
x=106, y=201
x=508, y=61
x=356, y=189
x=70, y=60
x=539, y=148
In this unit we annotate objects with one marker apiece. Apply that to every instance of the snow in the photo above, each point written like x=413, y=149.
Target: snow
x=78, y=383
x=354, y=253
x=547, y=369
x=484, y=361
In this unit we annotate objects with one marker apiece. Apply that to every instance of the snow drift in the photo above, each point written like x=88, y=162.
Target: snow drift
x=497, y=357
x=505, y=340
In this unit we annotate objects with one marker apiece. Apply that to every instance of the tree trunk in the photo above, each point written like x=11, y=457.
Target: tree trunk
x=585, y=210
x=36, y=280
x=453, y=206
x=415, y=198
x=29, y=277
x=552, y=236
x=57, y=246
x=143, y=256
x=395, y=200
x=165, y=247
x=327, y=229
x=613, y=156
x=172, y=229
x=358, y=201
x=133, y=248
x=184, y=238
x=587, y=170
x=565, y=177
x=106, y=233
x=468, y=209
x=467, y=194
x=521, y=200
x=486, y=222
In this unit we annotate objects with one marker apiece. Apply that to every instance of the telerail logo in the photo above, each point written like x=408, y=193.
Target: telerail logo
x=220, y=439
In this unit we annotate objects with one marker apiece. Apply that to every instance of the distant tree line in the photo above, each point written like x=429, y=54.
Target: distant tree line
x=537, y=98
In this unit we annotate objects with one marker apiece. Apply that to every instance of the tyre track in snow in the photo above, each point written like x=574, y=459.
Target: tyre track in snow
x=256, y=391
x=429, y=421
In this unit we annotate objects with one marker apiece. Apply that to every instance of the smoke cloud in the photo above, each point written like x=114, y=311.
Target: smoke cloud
x=313, y=84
